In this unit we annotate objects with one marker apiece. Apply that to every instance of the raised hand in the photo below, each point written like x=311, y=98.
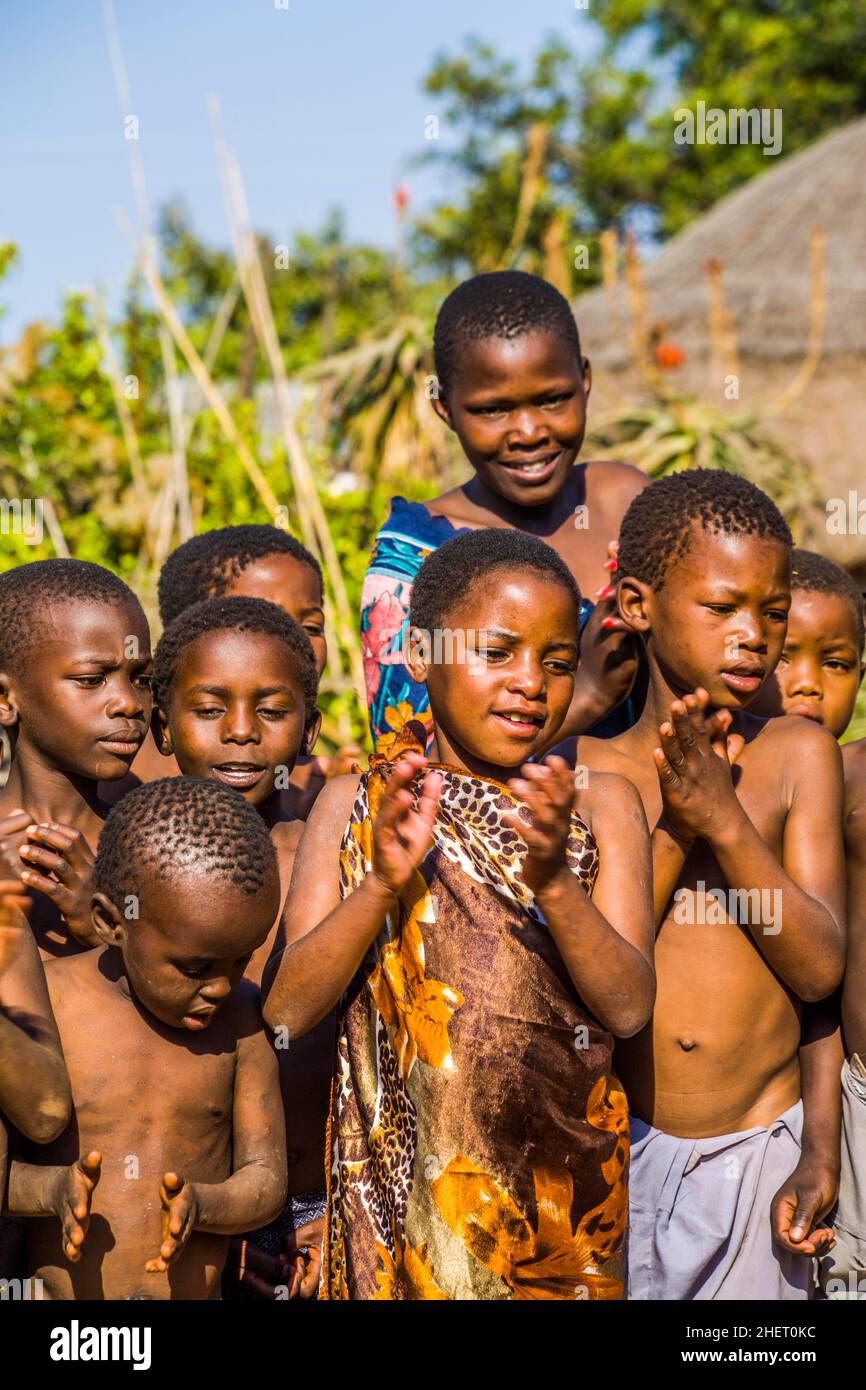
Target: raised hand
x=179, y=1215
x=694, y=767
x=547, y=792
x=609, y=651
x=71, y=1201
x=59, y=863
x=13, y=903
x=403, y=833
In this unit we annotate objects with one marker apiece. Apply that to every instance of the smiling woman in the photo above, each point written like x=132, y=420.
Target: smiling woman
x=513, y=385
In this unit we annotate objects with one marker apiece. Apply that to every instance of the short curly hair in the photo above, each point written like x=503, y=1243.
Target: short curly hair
x=177, y=823
x=234, y=615
x=204, y=566
x=499, y=304
x=27, y=591
x=816, y=574
x=656, y=530
x=448, y=574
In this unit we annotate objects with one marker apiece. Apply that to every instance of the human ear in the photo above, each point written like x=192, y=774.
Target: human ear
x=634, y=601
x=9, y=715
x=311, y=733
x=161, y=732
x=416, y=654
x=586, y=373
x=439, y=403
x=106, y=920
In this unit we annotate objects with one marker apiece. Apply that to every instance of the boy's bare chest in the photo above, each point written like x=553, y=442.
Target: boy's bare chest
x=128, y=1079
x=756, y=778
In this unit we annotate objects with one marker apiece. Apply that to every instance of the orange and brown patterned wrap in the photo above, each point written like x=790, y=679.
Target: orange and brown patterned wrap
x=478, y=1142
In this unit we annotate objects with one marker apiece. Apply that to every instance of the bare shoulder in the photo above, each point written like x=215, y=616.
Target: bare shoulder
x=615, y=480
x=69, y=976
x=601, y=755
x=796, y=760
x=793, y=736
x=610, y=801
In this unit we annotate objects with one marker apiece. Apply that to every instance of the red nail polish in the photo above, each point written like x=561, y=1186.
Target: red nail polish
x=608, y=623
x=610, y=565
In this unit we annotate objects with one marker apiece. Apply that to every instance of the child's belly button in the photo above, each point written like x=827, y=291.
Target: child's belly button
x=688, y=1044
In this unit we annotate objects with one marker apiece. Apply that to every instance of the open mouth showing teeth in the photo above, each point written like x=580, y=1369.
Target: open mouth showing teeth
x=534, y=469
x=525, y=724
x=239, y=773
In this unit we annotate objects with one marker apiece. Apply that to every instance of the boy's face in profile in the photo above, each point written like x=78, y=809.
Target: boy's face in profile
x=508, y=700
x=83, y=695
x=719, y=619
x=190, y=944
x=820, y=669
x=518, y=407
x=236, y=712
x=292, y=586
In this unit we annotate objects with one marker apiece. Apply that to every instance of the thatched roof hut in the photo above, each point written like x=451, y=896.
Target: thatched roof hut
x=762, y=236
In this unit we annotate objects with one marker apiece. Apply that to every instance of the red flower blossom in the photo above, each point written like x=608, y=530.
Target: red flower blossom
x=385, y=620
x=668, y=355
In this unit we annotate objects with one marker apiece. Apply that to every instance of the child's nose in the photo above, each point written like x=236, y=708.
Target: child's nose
x=125, y=698
x=240, y=727
x=803, y=678
x=215, y=991
x=529, y=427
x=526, y=676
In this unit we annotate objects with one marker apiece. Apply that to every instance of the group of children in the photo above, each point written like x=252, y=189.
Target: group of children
x=549, y=1002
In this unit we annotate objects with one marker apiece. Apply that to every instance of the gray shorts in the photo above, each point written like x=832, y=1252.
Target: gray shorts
x=699, y=1215
x=843, y=1271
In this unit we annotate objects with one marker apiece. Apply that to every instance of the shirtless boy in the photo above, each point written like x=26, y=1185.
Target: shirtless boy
x=744, y=806
x=818, y=677
x=235, y=693
x=75, y=699
x=174, y=1079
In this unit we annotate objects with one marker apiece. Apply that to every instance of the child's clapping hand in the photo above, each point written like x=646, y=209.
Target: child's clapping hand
x=547, y=792
x=59, y=863
x=71, y=1201
x=694, y=766
x=179, y=1216
x=403, y=833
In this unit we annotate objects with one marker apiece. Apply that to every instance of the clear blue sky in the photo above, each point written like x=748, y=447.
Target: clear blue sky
x=322, y=101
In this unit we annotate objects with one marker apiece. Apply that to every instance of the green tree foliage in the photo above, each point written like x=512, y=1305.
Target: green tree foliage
x=610, y=159
x=586, y=179
x=807, y=60
x=325, y=293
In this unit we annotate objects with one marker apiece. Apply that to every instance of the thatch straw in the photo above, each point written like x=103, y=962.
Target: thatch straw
x=762, y=234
